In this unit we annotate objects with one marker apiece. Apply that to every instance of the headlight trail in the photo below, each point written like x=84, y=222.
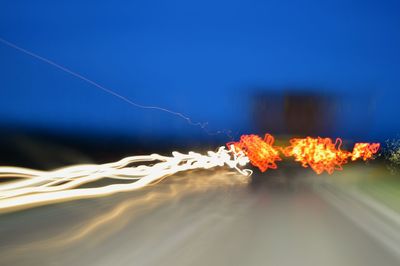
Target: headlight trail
x=41, y=187
x=34, y=187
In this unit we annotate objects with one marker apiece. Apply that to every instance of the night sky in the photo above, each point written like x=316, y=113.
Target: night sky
x=202, y=58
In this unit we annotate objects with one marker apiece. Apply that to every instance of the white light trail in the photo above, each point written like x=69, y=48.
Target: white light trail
x=43, y=187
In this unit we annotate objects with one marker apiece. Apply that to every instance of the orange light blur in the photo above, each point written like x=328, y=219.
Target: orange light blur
x=364, y=151
x=260, y=152
x=321, y=154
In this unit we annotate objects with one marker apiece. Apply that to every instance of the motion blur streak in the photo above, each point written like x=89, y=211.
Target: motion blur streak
x=105, y=222
x=260, y=152
x=321, y=154
x=364, y=151
x=42, y=187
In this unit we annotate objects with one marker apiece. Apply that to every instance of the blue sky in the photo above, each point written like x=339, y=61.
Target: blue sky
x=201, y=58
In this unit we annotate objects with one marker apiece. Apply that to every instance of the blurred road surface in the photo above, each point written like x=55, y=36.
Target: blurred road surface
x=195, y=218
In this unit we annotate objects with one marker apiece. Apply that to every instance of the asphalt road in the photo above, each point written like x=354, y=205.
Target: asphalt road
x=195, y=218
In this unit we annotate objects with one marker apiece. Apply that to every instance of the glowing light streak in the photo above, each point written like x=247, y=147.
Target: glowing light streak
x=364, y=151
x=322, y=154
x=34, y=187
x=260, y=152
x=41, y=187
x=101, y=222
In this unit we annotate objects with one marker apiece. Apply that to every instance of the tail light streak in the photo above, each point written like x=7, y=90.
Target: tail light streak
x=34, y=187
